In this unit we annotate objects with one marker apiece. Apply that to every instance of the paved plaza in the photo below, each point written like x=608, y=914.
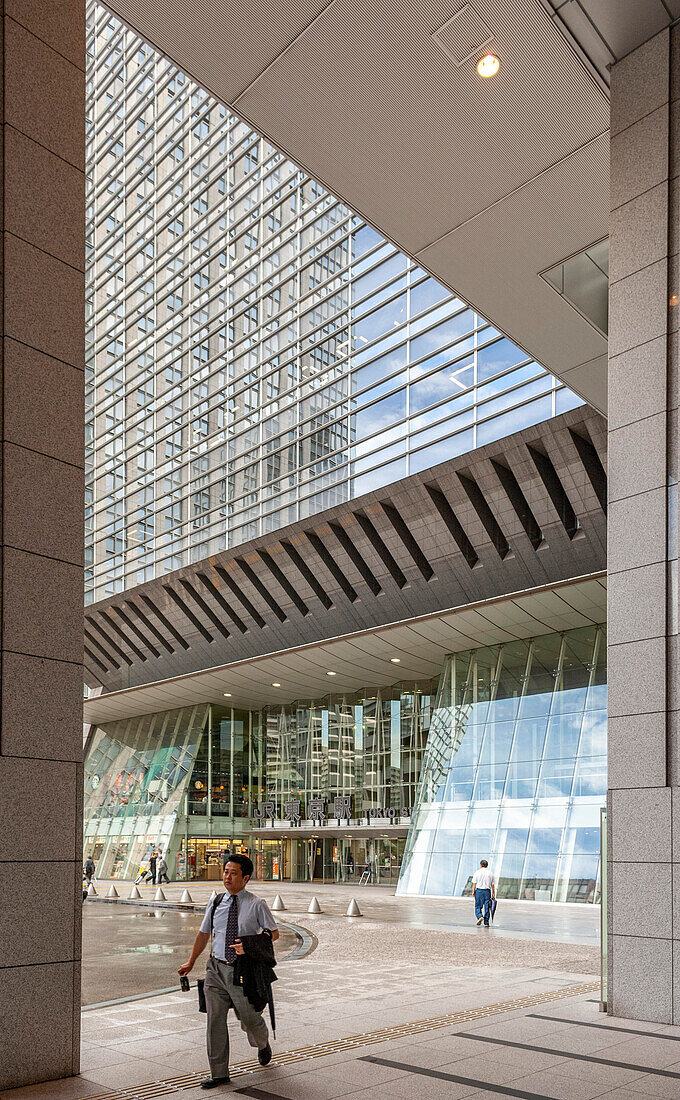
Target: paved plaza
x=410, y=1000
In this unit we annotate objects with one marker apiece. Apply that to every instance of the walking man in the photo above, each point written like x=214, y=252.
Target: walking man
x=237, y=913
x=89, y=870
x=152, y=867
x=484, y=889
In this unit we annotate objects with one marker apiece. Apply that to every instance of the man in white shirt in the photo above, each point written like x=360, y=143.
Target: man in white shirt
x=484, y=889
x=236, y=913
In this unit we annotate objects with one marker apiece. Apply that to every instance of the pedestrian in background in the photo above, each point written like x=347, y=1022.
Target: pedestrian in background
x=162, y=870
x=484, y=889
x=152, y=867
x=89, y=870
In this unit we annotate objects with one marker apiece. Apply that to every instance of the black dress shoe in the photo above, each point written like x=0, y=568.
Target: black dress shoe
x=213, y=1082
x=264, y=1056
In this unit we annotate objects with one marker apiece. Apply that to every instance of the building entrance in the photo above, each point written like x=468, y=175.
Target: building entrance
x=328, y=859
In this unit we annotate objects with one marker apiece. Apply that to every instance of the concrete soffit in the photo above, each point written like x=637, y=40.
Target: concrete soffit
x=485, y=183
x=365, y=659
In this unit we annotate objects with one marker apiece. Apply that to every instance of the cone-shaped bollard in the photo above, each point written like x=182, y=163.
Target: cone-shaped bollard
x=134, y=893
x=278, y=905
x=314, y=906
x=91, y=892
x=159, y=895
x=186, y=898
x=353, y=909
x=113, y=893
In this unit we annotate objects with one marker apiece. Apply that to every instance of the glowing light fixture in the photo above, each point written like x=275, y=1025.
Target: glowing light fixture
x=488, y=65
x=395, y=660
x=275, y=685
x=331, y=674
x=227, y=694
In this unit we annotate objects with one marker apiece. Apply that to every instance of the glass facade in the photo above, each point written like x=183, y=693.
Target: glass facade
x=255, y=353
x=192, y=781
x=137, y=774
x=515, y=772
x=503, y=758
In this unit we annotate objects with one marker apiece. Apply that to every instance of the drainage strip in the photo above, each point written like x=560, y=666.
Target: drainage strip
x=172, y=1085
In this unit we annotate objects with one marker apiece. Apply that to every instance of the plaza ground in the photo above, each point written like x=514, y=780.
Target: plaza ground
x=411, y=999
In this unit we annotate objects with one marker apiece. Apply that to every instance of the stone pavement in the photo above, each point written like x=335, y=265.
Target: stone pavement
x=374, y=979
x=556, y=1047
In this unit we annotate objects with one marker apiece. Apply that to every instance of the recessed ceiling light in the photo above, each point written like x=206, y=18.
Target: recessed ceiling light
x=331, y=674
x=227, y=694
x=489, y=65
x=276, y=685
x=395, y=660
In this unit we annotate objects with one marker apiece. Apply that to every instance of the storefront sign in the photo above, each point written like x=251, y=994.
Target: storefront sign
x=316, y=812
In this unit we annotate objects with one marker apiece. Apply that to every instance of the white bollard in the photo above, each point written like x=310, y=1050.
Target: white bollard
x=113, y=893
x=134, y=893
x=278, y=905
x=91, y=892
x=314, y=906
x=353, y=909
x=186, y=898
x=159, y=895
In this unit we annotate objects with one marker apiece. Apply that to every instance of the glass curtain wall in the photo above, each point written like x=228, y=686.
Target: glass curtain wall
x=515, y=772
x=136, y=776
x=255, y=353
x=369, y=747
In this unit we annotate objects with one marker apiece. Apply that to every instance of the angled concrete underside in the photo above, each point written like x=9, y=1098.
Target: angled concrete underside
x=485, y=183
x=526, y=512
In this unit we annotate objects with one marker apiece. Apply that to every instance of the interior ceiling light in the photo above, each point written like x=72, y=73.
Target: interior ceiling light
x=331, y=674
x=227, y=694
x=488, y=65
x=395, y=660
x=275, y=685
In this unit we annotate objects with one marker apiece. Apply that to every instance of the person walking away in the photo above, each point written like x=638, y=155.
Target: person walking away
x=89, y=870
x=152, y=867
x=235, y=913
x=162, y=870
x=484, y=889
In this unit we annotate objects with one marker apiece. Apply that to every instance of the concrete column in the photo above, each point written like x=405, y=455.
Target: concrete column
x=42, y=228
x=644, y=650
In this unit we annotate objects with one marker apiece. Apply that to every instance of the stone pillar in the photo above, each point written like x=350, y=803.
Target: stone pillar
x=42, y=231
x=644, y=650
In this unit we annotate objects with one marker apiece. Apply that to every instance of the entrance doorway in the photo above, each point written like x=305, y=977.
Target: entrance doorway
x=330, y=858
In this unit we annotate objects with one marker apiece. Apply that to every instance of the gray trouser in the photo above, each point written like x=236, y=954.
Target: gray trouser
x=221, y=994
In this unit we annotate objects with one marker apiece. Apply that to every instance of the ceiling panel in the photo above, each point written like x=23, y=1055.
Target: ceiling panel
x=362, y=97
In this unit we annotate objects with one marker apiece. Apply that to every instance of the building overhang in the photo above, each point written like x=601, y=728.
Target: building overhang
x=486, y=183
x=366, y=659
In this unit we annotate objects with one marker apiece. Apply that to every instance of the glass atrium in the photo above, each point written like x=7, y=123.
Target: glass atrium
x=515, y=772
x=504, y=758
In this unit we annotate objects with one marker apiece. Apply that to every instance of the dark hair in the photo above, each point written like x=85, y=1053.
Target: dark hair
x=483, y=863
x=244, y=862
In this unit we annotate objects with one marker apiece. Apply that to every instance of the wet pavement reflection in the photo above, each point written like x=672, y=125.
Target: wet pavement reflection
x=130, y=949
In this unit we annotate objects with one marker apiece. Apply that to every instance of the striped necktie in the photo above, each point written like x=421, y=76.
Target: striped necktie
x=232, y=930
